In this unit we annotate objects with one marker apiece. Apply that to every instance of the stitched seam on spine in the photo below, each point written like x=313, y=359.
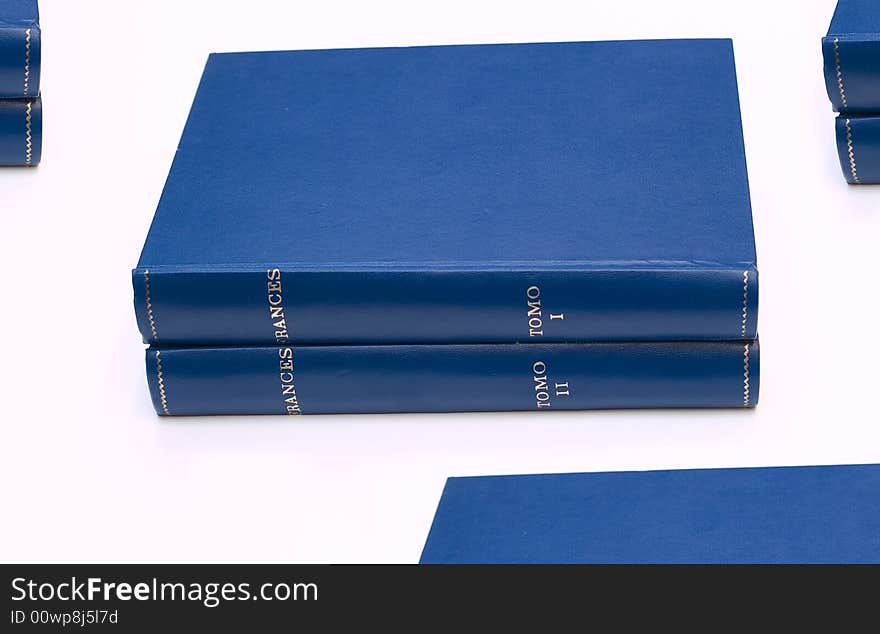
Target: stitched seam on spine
x=27, y=61
x=161, y=381
x=745, y=313
x=150, y=305
x=839, y=73
x=746, y=377
x=851, y=151
x=28, y=141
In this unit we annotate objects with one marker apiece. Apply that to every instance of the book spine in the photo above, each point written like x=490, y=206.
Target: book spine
x=451, y=378
x=21, y=131
x=858, y=147
x=19, y=62
x=275, y=306
x=852, y=72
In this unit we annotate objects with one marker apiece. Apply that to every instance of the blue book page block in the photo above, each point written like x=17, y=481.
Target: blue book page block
x=759, y=515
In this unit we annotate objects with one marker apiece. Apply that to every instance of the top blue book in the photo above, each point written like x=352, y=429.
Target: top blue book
x=19, y=49
x=852, y=57
x=790, y=515
x=581, y=191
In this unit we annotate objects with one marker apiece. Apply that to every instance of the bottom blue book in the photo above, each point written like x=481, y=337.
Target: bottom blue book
x=451, y=378
x=21, y=131
x=763, y=515
x=858, y=148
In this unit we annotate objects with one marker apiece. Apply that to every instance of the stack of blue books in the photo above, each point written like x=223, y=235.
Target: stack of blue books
x=851, y=52
x=456, y=228
x=21, y=110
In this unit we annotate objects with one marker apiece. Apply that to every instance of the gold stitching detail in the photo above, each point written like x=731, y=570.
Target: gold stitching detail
x=162, y=395
x=28, y=141
x=150, y=306
x=745, y=303
x=27, y=61
x=746, y=377
x=851, y=151
x=839, y=73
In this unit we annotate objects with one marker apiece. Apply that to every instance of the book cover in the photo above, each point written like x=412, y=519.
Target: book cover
x=451, y=378
x=851, y=53
x=582, y=191
x=19, y=49
x=786, y=515
x=858, y=147
x=21, y=131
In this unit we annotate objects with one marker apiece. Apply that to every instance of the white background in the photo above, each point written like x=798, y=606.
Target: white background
x=89, y=473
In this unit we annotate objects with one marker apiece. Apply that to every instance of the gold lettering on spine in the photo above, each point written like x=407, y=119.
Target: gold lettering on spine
x=275, y=300
x=533, y=302
x=535, y=314
x=543, y=396
x=286, y=376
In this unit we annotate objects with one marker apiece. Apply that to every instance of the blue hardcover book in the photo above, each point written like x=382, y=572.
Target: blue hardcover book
x=582, y=191
x=21, y=131
x=765, y=515
x=851, y=52
x=858, y=147
x=19, y=49
x=451, y=378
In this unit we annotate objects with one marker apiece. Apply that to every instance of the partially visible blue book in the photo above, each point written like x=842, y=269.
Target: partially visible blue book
x=19, y=49
x=858, y=147
x=786, y=515
x=294, y=380
x=851, y=51
x=21, y=131
x=563, y=192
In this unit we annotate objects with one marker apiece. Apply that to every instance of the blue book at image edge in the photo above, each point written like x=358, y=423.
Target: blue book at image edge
x=451, y=378
x=824, y=514
x=20, y=49
x=581, y=191
x=851, y=53
x=858, y=147
x=21, y=131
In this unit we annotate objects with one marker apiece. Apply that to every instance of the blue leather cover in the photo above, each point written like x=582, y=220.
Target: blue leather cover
x=496, y=193
x=851, y=51
x=19, y=49
x=858, y=146
x=767, y=515
x=451, y=378
x=21, y=131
